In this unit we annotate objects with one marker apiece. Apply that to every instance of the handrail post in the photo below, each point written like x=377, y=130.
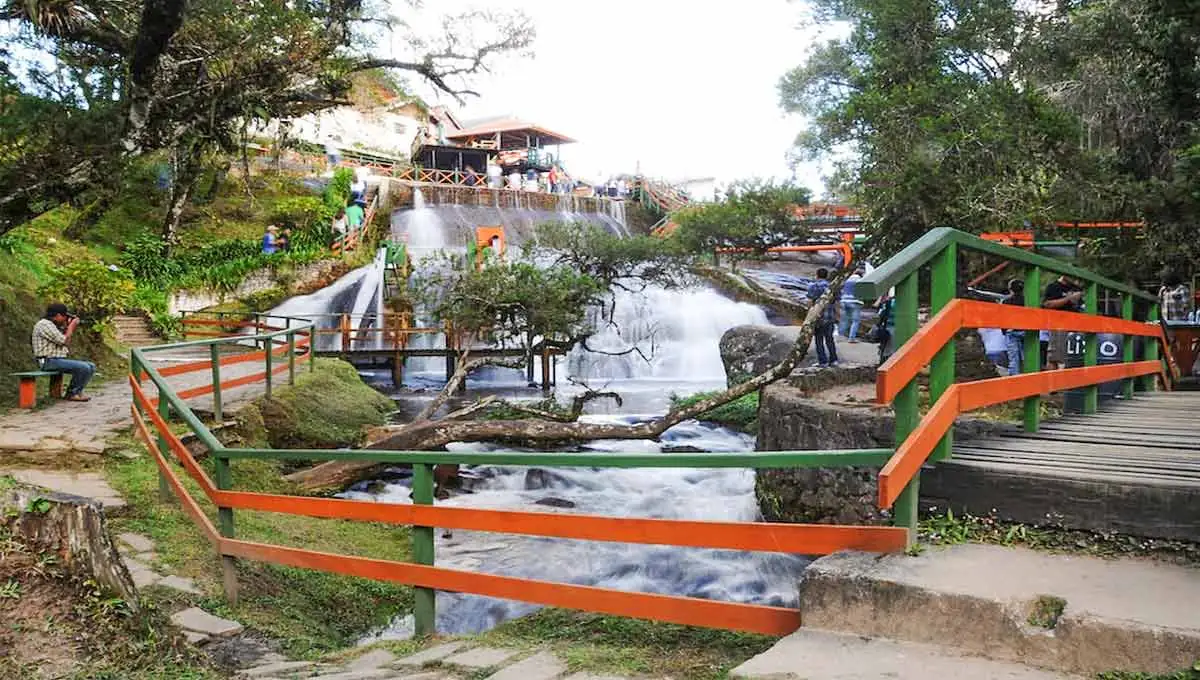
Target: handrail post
x=1032, y=361
x=424, y=599
x=269, y=343
x=941, y=371
x=1091, y=350
x=215, y=354
x=312, y=348
x=164, y=410
x=291, y=341
x=1150, y=350
x=1127, y=344
x=229, y=578
x=905, y=405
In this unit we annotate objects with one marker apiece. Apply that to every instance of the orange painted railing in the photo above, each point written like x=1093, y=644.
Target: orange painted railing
x=150, y=418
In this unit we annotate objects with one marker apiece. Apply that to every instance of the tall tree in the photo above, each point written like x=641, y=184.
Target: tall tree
x=187, y=75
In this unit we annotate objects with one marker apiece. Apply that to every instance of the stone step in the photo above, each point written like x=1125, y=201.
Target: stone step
x=810, y=654
x=1073, y=613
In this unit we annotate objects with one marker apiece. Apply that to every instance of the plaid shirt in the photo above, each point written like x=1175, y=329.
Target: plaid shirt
x=1174, y=303
x=48, y=341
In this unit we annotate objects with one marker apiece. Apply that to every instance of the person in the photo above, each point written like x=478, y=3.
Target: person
x=994, y=347
x=358, y=189
x=495, y=174
x=472, y=177
x=885, y=324
x=333, y=154
x=1062, y=294
x=514, y=180
x=270, y=241
x=823, y=331
x=339, y=223
x=284, y=242
x=354, y=215
x=1173, y=299
x=851, y=307
x=51, y=336
x=553, y=178
x=1014, y=340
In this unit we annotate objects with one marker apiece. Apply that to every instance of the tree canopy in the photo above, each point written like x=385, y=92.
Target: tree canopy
x=751, y=217
x=992, y=114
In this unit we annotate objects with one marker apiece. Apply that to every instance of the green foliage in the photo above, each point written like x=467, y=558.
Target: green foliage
x=143, y=257
x=326, y=408
x=609, y=259
x=309, y=217
x=752, y=217
x=91, y=290
x=1046, y=611
x=740, y=414
x=337, y=192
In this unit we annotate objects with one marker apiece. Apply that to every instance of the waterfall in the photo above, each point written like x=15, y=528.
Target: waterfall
x=677, y=332
x=323, y=304
x=368, y=303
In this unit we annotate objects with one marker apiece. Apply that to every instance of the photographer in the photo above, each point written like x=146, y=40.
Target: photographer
x=50, y=337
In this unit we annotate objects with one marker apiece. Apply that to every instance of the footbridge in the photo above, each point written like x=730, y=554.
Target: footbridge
x=162, y=413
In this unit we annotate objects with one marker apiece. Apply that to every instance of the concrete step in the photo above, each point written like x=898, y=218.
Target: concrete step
x=810, y=654
x=1072, y=613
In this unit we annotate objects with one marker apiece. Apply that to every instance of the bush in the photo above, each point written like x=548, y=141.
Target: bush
x=338, y=190
x=740, y=414
x=309, y=218
x=143, y=257
x=91, y=289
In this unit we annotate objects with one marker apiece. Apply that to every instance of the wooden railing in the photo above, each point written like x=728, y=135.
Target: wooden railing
x=151, y=418
x=930, y=438
x=355, y=236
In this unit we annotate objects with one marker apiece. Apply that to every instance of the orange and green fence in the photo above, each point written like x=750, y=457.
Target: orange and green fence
x=283, y=344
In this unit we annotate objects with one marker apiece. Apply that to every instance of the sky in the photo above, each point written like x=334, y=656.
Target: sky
x=674, y=88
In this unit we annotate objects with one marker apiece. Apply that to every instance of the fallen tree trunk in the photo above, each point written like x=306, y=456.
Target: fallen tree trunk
x=426, y=434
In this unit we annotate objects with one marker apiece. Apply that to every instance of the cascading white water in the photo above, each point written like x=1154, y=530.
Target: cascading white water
x=676, y=333
x=330, y=299
x=368, y=303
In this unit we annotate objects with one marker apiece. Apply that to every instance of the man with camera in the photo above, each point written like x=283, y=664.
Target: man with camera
x=50, y=337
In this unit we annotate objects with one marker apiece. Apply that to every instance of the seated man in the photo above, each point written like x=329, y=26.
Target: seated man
x=50, y=337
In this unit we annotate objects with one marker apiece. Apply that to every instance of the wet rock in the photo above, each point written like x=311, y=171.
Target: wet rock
x=554, y=502
x=682, y=448
x=747, y=351
x=541, y=478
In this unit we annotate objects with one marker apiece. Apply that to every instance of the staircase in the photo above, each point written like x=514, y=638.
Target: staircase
x=135, y=331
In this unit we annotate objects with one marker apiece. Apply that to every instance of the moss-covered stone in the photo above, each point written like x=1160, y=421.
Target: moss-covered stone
x=326, y=408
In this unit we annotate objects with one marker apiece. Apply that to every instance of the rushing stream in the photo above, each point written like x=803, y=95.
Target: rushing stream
x=676, y=333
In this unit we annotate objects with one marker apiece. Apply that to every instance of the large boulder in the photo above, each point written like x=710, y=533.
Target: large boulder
x=749, y=350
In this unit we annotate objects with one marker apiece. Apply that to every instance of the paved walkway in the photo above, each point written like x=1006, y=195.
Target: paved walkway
x=63, y=428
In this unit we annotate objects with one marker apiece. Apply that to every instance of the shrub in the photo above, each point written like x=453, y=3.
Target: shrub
x=143, y=257
x=92, y=289
x=338, y=190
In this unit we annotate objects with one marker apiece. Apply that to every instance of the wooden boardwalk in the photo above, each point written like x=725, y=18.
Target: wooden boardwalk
x=1133, y=467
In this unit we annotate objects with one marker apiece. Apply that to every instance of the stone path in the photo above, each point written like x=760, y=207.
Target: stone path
x=63, y=428
x=456, y=660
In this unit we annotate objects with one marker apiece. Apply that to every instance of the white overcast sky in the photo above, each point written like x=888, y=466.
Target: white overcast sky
x=684, y=89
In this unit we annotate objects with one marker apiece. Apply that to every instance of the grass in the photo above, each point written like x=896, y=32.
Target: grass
x=740, y=414
x=949, y=528
x=608, y=644
x=1046, y=611
x=311, y=612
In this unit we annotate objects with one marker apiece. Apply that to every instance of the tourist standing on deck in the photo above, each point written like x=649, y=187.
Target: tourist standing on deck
x=1062, y=294
x=1014, y=340
x=1173, y=299
x=823, y=331
x=495, y=174
x=270, y=243
x=851, y=307
x=472, y=178
x=51, y=335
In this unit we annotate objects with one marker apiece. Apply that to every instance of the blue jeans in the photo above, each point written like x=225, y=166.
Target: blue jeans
x=80, y=371
x=1015, y=344
x=851, y=316
x=823, y=338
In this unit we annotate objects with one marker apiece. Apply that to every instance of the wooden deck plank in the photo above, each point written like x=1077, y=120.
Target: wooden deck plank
x=1051, y=446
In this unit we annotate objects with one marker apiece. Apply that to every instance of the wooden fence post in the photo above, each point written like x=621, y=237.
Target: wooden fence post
x=425, y=599
x=164, y=410
x=941, y=371
x=269, y=343
x=905, y=405
x=291, y=345
x=214, y=353
x=1091, y=349
x=1127, y=344
x=229, y=578
x=1032, y=361
x=1150, y=351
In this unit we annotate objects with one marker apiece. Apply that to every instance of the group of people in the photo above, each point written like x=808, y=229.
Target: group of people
x=845, y=316
x=277, y=239
x=352, y=216
x=554, y=181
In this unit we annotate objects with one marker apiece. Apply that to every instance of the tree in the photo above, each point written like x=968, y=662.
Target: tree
x=570, y=273
x=753, y=216
x=191, y=75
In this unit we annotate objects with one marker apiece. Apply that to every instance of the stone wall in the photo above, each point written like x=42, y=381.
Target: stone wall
x=790, y=420
x=73, y=528
x=298, y=281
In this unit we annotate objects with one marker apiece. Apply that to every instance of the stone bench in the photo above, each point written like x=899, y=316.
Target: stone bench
x=27, y=392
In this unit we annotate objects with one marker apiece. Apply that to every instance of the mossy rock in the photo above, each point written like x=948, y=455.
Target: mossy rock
x=327, y=408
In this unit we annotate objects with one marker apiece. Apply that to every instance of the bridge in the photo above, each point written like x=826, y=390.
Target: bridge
x=924, y=446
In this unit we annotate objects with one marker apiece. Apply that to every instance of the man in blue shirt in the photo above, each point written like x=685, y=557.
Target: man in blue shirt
x=823, y=331
x=851, y=307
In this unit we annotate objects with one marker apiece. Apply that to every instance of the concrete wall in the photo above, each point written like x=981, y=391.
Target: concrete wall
x=298, y=280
